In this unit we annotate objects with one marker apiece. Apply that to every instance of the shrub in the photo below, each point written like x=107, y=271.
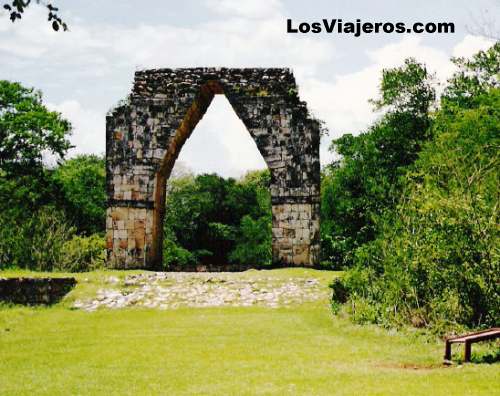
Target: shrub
x=45, y=241
x=35, y=241
x=80, y=254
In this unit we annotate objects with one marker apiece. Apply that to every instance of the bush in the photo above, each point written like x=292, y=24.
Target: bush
x=173, y=253
x=44, y=241
x=80, y=254
x=34, y=242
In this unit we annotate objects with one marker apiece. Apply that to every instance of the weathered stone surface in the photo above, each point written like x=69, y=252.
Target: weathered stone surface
x=168, y=290
x=145, y=134
x=34, y=291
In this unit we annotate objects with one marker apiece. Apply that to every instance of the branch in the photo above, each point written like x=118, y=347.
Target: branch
x=16, y=9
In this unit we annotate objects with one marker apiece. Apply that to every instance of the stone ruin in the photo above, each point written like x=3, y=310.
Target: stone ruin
x=145, y=134
x=34, y=291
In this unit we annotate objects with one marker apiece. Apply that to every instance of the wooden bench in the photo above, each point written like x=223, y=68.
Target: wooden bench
x=468, y=340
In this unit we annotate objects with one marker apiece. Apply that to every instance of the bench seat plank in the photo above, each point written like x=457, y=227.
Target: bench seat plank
x=468, y=340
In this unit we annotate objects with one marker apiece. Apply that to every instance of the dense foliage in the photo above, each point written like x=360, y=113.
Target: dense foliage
x=42, y=208
x=435, y=259
x=365, y=182
x=81, y=181
x=214, y=220
x=28, y=129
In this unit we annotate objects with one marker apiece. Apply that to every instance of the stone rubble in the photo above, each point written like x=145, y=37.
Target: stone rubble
x=167, y=290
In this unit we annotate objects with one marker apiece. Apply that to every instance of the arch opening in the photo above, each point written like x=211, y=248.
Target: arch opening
x=211, y=110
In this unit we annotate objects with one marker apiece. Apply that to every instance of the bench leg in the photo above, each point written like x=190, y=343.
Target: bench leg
x=447, y=351
x=467, y=351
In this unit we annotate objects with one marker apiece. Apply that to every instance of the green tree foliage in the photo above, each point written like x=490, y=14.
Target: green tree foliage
x=34, y=241
x=365, y=182
x=475, y=77
x=82, y=253
x=207, y=217
x=28, y=129
x=253, y=239
x=39, y=206
x=82, y=182
x=436, y=260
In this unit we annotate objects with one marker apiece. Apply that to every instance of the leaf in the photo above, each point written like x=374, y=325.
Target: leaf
x=7, y=7
x=55, y=26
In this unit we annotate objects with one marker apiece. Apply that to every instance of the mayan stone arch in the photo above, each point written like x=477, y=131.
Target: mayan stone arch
x=145, y=134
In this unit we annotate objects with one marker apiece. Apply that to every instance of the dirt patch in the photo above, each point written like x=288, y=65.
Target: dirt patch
x=412, y=366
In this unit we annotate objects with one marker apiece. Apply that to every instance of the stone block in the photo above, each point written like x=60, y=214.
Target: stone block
x=123, y=244
x=119, y=213
x=302, y=258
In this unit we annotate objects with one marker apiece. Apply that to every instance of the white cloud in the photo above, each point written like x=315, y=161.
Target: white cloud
x=470, y=45
x=88, y=127
x=248, y=34
x=246, y=8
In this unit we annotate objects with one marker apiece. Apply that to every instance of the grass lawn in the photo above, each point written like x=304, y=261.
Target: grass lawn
x=302, y=349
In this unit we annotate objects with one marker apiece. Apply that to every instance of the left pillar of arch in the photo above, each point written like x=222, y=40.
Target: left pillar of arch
x=135, y=190
x=132, y=222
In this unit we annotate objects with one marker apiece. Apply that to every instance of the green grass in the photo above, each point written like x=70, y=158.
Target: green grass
x=219, y=351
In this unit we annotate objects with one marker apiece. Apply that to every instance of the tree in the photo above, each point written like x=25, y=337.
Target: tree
x=82, y=181
x=16, y=9
x=208, y=217
x=474, y=78
x=365, y=182
x=254, y=234
x=28, y=130
x=435, y=260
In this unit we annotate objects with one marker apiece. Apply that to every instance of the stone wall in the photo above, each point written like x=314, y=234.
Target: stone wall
x=34, y=291
x=145, y=134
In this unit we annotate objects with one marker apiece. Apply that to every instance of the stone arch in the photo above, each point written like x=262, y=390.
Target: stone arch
x=144, y=137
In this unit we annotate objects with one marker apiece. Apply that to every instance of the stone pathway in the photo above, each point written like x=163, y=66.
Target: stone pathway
x=170, y=290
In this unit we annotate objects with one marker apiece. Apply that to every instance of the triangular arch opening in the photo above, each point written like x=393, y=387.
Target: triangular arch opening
x=220, y=143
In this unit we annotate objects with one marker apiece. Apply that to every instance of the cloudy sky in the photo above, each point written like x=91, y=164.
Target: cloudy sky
x=87, y=70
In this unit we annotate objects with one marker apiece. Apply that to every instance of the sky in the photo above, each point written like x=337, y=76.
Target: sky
x=84, y=72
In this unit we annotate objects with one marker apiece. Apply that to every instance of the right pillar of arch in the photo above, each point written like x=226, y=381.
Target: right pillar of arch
x=296, y=233
x=288, y=139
